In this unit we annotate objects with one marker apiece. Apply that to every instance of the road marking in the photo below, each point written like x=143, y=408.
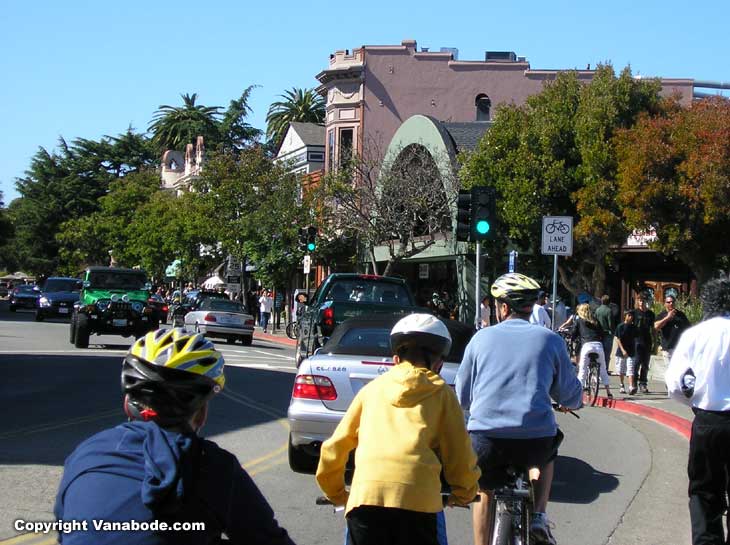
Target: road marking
x=268, y=466
x=31, y=539
x=248, y=465
x=268, y=354
x=54, y=426
x=253, y=404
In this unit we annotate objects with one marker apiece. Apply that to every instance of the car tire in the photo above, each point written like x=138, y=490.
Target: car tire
x=247, y=341
x=38, y=316
x=231, y=340
x=299, y=355
x=81, y=337
x=300, y=461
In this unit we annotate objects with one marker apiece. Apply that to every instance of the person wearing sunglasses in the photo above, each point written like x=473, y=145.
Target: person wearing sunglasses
x=670, y=324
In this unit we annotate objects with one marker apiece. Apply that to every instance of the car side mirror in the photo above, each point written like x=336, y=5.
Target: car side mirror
x=86, y=284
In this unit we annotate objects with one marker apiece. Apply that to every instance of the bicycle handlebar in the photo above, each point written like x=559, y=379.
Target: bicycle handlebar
x=560, y=408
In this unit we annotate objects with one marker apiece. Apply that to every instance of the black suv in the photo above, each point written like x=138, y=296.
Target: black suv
x=58, y=296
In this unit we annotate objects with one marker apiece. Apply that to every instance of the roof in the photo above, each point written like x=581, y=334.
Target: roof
x=466, y=136
x=312, y=134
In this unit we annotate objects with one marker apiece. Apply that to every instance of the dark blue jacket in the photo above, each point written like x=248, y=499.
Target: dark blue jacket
x=139, y=471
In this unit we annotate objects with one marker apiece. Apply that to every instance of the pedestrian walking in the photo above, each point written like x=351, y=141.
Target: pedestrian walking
x=670, y=324
x=625, y=351
x=699, y=375
x=644, y=321
x=266, y=303
x=605, y=318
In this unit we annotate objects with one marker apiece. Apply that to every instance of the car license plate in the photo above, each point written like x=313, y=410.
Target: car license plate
x=225, y=319
x=63, y=310
x=119, y=322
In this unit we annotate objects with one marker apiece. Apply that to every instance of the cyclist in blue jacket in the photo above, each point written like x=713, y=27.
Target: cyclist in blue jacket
x=507, y=380
x=155, y=470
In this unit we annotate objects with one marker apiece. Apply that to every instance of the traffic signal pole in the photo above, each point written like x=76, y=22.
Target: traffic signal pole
x=477, y=289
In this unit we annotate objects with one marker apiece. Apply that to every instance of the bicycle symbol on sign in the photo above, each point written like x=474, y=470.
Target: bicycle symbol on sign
x=558, y=226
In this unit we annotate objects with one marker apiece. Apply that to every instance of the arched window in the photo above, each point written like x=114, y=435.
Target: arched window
x=483, y=105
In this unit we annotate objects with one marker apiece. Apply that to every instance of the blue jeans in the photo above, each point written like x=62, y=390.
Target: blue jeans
x=264, y=320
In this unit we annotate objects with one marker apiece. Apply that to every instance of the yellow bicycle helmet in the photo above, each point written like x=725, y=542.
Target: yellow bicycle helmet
x=517, y=290
x=168, y=374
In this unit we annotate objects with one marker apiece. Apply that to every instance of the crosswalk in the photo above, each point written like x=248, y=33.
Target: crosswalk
x=254, y=358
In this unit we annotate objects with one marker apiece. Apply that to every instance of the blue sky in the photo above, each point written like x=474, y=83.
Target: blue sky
x=89, y=68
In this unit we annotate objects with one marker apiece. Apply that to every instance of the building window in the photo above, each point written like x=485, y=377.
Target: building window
x=316, y=157
x=331, y=151
x=345, y=146
x=483, y=105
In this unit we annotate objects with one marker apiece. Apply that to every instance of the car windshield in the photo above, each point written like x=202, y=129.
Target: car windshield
x=117, y=281
x=62, y=284
x=362, y=341
x=359, y=289
x=221, y=304
x=25, y=288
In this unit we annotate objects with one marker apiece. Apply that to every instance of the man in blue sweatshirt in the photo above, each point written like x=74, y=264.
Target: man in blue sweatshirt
x=148, y=481
x=507, y=380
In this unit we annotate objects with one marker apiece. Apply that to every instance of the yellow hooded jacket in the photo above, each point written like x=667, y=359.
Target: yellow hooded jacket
x=406, y=424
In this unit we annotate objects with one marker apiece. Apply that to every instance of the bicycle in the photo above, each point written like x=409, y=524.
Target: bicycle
x=292, y=330
x=593, y=380
x=562, y=228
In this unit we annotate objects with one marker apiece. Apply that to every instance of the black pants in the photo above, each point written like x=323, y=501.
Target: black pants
x=372, y=525
x=641, y=365
x=708, y=467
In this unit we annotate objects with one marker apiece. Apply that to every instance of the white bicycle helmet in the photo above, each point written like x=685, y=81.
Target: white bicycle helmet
x=423, y=331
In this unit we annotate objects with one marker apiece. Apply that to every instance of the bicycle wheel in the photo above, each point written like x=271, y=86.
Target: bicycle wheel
x=593, y=383
x=290, y=330
x=502, y=533
x=525, y=520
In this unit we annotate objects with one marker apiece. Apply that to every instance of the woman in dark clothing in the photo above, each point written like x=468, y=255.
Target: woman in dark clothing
x=586, y=328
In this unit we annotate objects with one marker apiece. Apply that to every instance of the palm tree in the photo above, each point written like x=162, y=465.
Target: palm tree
x=298, y=105
x=174, y=127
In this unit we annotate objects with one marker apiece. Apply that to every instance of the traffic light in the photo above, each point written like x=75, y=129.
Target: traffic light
x=463, y=215
x=311, y=238
x=482, y=212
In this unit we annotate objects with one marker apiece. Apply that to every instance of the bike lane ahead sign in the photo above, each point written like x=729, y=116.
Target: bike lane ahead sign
x=557, y=235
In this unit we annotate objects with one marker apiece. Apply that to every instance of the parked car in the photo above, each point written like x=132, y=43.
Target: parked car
x=190, y=302
x=113, y=301
x=5, y=288
x=161, y=307
x=357, y=352
x=346, y=295
x=57, y=297
x=24, y=296
x=216, y=317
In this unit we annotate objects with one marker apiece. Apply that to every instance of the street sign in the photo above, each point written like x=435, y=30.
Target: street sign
x=512, y=259
x=307, y=263
x=557, y=235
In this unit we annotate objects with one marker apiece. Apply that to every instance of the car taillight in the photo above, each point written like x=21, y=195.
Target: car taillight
x=314, y=387
x=328, y=317
x=249, y=322
x=165, y=308
x=209, y=318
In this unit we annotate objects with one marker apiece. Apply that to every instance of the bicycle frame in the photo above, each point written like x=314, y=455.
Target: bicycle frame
x=511, y=509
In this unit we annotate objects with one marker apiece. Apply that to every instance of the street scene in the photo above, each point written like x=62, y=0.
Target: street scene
x=377, y=274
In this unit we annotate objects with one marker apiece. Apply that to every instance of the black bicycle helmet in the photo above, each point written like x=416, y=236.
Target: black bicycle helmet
x=423, y=331
x=517, y=290
x=169, y=374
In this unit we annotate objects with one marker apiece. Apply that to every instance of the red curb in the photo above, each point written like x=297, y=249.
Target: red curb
x=274, y=338
x=681, y=425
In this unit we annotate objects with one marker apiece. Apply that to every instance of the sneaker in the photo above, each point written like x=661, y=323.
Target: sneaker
x=643, y=389
x=540, y=530
x=622, y=390
x=632, y=391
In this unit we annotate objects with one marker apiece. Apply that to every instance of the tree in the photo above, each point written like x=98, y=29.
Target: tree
x=174, y=127
x=555, y=156
x=301, y=105
x=6, y=232
x=253, y=201
x=674, y=177
x=235, y=131
x=405, y=206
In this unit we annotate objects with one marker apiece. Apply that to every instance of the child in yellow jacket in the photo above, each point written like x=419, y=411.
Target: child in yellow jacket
x=407, y=426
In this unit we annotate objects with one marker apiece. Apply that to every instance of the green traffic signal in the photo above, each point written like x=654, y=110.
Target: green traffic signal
x=311, y=246
x=482, y=227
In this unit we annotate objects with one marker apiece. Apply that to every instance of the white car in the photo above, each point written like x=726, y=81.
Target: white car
x=221, y=318
x=327, y=381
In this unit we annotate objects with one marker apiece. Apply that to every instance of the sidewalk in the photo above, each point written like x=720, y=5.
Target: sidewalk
x=277, y=336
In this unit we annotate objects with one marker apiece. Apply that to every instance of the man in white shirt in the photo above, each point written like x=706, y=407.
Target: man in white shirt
x=539, y=315
x=699, y=375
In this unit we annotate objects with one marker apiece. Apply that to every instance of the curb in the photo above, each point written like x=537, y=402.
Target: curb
x=274, y=338
x=676, y=423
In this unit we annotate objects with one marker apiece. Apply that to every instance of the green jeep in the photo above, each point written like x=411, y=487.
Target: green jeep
x=113, y=301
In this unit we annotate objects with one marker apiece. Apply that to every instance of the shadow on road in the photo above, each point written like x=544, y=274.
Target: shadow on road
x=576, y=481
x=56, y=401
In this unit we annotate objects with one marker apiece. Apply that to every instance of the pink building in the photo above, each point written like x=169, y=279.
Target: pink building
x=374, y=89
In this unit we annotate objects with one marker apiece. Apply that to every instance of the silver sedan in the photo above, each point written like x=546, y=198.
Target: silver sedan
x=326, y=382
x=221, y=318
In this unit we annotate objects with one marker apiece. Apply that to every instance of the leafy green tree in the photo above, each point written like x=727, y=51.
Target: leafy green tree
x=303, y=105
x=173, y=127
x=674, y=177
x=6, y=233
x=234, y=129
x=555, y=156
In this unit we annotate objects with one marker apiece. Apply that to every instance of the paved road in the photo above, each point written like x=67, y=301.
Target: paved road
x=620, y=479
